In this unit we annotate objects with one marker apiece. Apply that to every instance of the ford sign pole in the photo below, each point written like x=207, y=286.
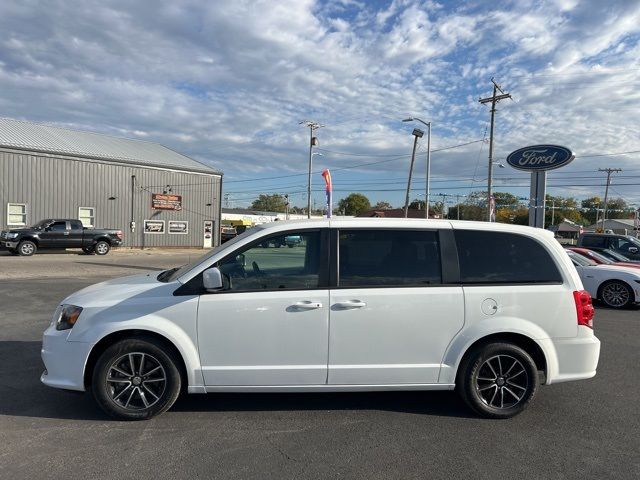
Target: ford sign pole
x=538, y=159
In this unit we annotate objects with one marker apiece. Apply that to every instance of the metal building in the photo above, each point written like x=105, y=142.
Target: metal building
x=158, y=197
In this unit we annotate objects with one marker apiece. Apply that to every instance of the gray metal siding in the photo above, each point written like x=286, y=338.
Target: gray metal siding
x=55, y=187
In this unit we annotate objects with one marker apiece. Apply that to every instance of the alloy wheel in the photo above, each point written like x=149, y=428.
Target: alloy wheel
x=136, y=381
x=615, y=294
x=502, y=382
x=27, y=249
x=101, y=248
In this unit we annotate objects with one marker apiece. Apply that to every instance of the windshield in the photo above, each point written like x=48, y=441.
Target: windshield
x=617, y=256
x=601, y=258
x=41, y=224
x=633, y=240
x=174, y=273
x=580, y=260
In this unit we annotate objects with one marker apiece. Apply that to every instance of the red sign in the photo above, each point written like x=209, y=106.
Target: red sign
x=161, y=201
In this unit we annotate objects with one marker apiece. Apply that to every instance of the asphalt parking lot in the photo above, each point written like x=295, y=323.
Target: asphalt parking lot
x=586, y=429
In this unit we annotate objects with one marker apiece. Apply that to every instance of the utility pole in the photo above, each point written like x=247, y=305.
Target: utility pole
x=458, y=203
x=417, y=133
x=286, y=206
x=313, y=141
x=443, y=196
x=606, y=191
x=553, y=211
x=495, y=98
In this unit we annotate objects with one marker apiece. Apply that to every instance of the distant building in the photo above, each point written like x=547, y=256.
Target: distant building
x=617, y=225
x=157, y=197
x=250, y=217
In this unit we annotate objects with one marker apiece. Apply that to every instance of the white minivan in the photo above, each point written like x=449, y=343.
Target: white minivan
x=490, y=310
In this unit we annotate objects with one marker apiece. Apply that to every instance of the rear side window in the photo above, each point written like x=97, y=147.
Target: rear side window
x=594, y=241
x=370, y=258
x=497, y=257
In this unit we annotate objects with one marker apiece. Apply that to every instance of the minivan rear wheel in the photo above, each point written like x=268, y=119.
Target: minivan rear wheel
x=136, y=379
x=498, y=380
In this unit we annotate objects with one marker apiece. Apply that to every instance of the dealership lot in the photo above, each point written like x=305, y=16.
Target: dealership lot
x=577, y=430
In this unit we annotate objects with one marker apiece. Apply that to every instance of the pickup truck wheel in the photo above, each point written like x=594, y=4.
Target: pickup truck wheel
x=88, y=250
x=26, y=248
x=102, y=247
x=498, y=380
x=136, y=379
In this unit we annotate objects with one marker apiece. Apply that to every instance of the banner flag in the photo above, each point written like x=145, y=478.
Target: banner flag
x=329, y=190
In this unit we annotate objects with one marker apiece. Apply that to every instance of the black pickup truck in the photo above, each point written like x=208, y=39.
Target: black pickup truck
x=56, y=233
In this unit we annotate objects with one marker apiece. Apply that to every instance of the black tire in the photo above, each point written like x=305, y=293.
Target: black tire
x=616, y=294
x=88, y=250
x=26, y=248
x=110, y=386
x=101, y=247
x=515, y=384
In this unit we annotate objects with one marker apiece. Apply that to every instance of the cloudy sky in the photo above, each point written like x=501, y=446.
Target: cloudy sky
x=227, y=83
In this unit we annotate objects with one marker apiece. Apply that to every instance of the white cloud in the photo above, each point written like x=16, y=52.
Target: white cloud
x=228, y=81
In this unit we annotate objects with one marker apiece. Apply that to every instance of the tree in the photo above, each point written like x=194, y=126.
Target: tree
x=269, y=203
x=382, y=205
x=353, y=204
x=418, y=205
x=590, y=206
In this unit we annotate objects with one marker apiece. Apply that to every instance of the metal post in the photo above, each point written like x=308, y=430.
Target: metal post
x=413, y=158
x=490, y=177
x=309, y=175
x=427, y=191
x=553, y=211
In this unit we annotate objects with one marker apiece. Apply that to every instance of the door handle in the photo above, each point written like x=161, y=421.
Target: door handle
x=66, y=233
x=350, y=304
x=307, y=305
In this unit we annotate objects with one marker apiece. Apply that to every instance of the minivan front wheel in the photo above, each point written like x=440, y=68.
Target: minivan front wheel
x=136, y=379
x=498, y=380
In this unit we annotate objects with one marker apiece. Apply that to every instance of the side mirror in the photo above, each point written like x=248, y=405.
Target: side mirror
x=633, y=249
x=240, y=259
x=212, y=279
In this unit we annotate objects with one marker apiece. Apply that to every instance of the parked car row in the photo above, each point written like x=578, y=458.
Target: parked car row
x=609, y=267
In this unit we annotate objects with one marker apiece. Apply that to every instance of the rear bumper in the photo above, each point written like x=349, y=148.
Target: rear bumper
x=576, y=358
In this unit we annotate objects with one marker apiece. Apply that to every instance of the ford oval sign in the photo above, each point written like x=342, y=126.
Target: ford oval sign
x=540, y=157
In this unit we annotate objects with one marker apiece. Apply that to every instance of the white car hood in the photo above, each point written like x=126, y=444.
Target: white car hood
x=119, y=289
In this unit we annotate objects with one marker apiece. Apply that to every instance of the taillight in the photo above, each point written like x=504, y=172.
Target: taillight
x=119, y=234
x=584, y=308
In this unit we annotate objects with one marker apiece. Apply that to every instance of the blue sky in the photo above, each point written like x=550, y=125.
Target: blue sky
x=227, y=82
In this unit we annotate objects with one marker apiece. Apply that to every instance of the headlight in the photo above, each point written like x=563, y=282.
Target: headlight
x=11, y=236
x=66, y=316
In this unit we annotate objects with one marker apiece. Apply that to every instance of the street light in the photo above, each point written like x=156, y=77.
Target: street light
x=417, y=133
x=427, y=192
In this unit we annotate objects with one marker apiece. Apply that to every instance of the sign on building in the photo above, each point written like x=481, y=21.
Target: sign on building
x=154, y=226
x=178, y=227
x=538, y=159
x=162, y=201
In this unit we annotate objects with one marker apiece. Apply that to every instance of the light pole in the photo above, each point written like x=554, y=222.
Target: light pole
x=313, y=141
x=417, y=133
x=426, y=192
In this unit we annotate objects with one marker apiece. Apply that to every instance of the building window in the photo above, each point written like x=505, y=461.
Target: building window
x=16, y=214
x=87, y=216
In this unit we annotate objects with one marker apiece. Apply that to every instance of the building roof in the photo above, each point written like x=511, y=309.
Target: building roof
x=614, y=223
x=35, y=137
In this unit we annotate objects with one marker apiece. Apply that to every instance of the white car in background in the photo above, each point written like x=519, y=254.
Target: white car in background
x=615, y=286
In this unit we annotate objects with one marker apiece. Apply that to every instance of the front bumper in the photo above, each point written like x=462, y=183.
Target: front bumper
x=64, y=360
x=8, y=244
